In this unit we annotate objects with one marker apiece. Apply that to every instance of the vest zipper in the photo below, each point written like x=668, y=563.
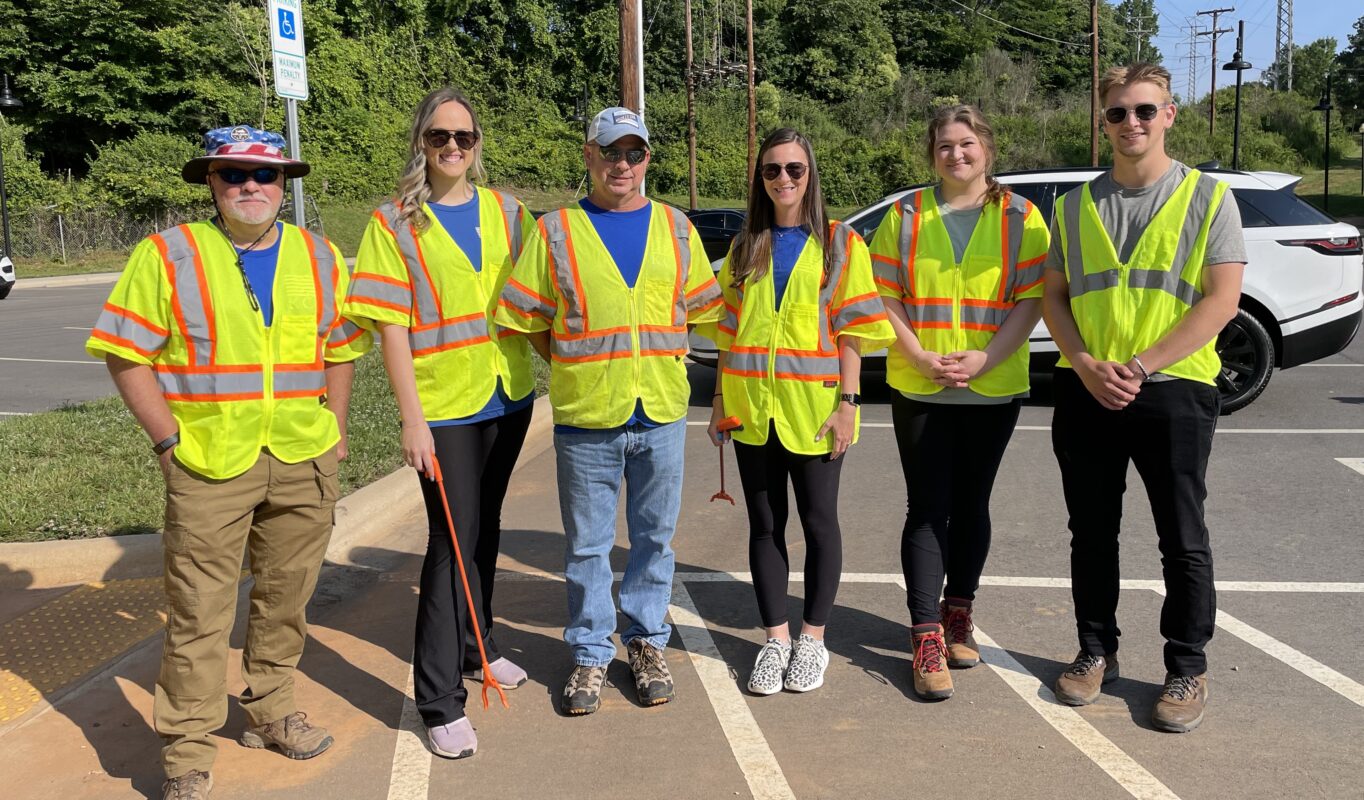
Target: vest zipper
x=636, y=357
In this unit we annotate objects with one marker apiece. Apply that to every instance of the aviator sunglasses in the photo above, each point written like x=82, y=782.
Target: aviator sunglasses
x=236, y=176
x=1143, y=111
x=613, y=155
x=773, y=171
x=438, y=138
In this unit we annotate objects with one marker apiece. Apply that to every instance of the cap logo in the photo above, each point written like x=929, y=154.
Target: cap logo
x=625, y=118
x=240, y=133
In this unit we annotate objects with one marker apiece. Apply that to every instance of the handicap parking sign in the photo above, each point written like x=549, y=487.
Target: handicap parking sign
x=287, y=30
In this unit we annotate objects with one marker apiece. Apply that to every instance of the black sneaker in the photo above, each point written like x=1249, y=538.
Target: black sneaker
x=653, y=682
x=582, y=693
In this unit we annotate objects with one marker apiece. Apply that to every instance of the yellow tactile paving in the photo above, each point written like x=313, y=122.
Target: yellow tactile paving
x=60, y=641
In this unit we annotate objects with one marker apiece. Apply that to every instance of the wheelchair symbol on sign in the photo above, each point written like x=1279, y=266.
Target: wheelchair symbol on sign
x=286, y=24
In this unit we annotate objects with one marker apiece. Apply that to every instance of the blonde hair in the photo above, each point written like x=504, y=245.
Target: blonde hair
x=1141, y=72
x=971, y=117
x=414, y=189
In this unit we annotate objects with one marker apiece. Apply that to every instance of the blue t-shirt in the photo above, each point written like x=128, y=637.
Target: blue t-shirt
x=624, y=233
x=787, y=244
x=461, y=222
x=260, y=271
x=499, y=405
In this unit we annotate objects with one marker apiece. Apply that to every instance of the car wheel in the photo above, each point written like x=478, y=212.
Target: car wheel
x=1247, y=354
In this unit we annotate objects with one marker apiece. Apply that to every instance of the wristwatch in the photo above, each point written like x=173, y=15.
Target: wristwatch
x=855, y=399
x=167, y=443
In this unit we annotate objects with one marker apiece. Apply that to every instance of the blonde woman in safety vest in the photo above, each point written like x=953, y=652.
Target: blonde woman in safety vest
x=959, y=267
x=800, y=308
x=430, y=268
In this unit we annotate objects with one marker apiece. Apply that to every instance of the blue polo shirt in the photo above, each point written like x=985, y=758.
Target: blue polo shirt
x=787, y=244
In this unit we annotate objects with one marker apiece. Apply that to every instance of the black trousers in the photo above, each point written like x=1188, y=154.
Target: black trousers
x=763, y=470
x=1167, y=434
x=476, y=463
x=950, y=455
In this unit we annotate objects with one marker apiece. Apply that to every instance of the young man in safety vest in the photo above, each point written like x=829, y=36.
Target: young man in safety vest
x=607, y=291
x=224, y=339
x=1144, y=271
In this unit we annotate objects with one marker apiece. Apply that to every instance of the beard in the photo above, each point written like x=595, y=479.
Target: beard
x=250, y=213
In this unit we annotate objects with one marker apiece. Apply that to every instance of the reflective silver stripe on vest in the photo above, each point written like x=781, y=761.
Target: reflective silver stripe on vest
x=423, y=293
x=907, y=243
x=983, y=315
x=1075, y=257
x=211, y=386
x=682, y=233
x=812, y=368
x=1025, y=277
x=664, y=342
x=851, y=313
x=194, y=307
x=525, y=301
x=1014, y=217
x=511, y=217
x=746, y=362
x=365, y=288
x=343, y=333
x=118, y=326
x=708, y=295
x=311, y=381
x=1200, y=208
x=449, y=334
x=1166, y=281
x=556, y=235
x=589, y=346
x=730, y=324
x=324, y=261
x=919, y=313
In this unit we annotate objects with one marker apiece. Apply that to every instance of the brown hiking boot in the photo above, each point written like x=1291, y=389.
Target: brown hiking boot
x=1179, y=709
x=653, y=682
x=932, y=681
x=1079, y=685
x=294, y=736
x=193, y=785
x=957, y=628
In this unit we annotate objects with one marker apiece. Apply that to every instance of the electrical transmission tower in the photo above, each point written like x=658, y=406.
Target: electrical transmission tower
x=1192, y=59
x=1283, y=46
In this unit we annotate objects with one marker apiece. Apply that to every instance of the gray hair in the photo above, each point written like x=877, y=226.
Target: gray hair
x=413, y=187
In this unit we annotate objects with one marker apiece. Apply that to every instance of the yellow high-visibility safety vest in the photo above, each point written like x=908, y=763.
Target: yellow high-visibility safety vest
x=612, y=345
x=781, y=367
x=1122, y=309
x=425, y=283
x=959, y=306
x=234, y=385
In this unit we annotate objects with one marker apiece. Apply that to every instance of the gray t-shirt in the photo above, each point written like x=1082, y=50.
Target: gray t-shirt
x=1125, y=213
x=960, y=223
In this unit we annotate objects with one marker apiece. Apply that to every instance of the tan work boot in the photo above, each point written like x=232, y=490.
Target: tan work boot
x=294, y=736
x=957, y=628
x=932, y=681
x=1079, y=685
x=193, y=785
x=1179, y=709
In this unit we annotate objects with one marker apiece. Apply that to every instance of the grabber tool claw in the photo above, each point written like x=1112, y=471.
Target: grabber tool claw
x=468, y=594
x=725, y=425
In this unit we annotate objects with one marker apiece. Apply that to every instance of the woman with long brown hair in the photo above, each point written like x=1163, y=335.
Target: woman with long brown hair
x=800, y=308
x=959, y=267
x=427, y=277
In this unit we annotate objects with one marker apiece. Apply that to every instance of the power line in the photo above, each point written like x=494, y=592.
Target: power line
x=1020, y=30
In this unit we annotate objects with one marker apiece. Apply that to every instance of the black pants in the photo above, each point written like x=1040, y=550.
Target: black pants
x=476, y=463
x=763, y=470
x=950, y=455
x=1167, y=434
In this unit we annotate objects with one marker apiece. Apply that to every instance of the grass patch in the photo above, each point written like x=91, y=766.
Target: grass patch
x=107, y=261
x=1346, y=197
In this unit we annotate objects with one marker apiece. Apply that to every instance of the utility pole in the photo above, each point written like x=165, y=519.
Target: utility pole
x=631, y=56
x=1094, y=83
x=1214, y=32
x=752, y=99
x=691, y=117
x=1283, y=46
x=1140, y=31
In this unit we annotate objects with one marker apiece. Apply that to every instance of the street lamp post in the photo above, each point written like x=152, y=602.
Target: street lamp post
x=1325, y=105
x=1237, y=65
x=7, y=101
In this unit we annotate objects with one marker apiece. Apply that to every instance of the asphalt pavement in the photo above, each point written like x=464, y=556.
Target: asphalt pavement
x=43, y=363
x=1286, y=665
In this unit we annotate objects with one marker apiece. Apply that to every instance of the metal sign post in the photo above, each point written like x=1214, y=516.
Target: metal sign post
x=291, y=77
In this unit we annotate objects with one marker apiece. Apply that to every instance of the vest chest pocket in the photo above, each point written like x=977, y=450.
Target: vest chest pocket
x=659, y=301
x=296, y=319
x=800, y=329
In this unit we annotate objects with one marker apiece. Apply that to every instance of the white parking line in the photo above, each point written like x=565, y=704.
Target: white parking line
x=1356, y=464
x=53, y=361
x=411, y=775
x=765, y=779
x=16, y=413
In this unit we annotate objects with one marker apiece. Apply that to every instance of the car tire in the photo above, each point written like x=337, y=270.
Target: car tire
x=1247, y=353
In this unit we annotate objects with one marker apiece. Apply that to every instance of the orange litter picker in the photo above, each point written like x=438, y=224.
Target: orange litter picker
x=468, y=594
x=725, y=425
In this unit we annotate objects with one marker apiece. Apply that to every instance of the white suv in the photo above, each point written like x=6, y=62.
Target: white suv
x=1300, y=301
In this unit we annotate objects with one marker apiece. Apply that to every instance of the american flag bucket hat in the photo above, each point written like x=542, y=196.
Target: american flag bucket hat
x=242, y=143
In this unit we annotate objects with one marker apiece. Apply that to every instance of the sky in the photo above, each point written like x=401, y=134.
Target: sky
x=1312, y=19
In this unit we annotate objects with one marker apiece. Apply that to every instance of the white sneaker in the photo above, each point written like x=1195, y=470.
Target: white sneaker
x=809, y=659
x=770, y=668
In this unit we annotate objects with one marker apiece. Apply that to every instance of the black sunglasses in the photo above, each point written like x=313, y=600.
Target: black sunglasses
x=237, y=176
x=1144, y=111
x=773, y=171
x=438, y=138
x=613, y=155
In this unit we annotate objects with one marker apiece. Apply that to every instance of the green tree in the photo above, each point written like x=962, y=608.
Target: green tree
x=1137, y=21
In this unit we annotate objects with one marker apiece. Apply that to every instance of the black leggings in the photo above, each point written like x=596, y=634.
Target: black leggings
x=763, y=469
x=950, y=455
x=476, y=464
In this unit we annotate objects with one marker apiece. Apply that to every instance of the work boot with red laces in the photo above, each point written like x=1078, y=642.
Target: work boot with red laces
x=957, y=628
x=932, y=681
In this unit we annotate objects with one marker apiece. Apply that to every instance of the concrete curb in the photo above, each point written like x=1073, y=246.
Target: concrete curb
x=362, y=518
x=59, y=281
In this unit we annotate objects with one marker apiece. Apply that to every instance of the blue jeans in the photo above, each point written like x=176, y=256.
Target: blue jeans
x=591, y=465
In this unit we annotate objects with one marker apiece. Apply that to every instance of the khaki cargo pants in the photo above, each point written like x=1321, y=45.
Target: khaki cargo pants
x=282, y=515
